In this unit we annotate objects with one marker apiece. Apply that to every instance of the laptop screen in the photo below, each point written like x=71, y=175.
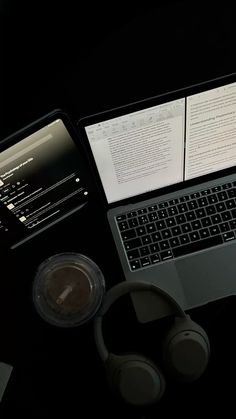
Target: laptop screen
x=40, y=181
x=161, y=145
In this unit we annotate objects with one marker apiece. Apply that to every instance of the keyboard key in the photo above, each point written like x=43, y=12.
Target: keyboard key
x=121, y=217
x=226, y=216
x=170, y=222
x=151, y=228
x=216, y=189
x=172, y=211
x=231, y=193
x=227, y=185
x=134, y=265
x=230, y=204
x=195, y=195
x=184, y=198
x=145, y=262
x=174, y=201
x=180, y=219
x=216, y=219
x=192, y=205
x=200, y=212
x=143, y=220
x=196, y=246
x=174, y=242
x=166, y=234
x=206, y=222
x=186, y=228
x=164, y=245
x=220, y=207
x=156, y=236
x=152, y=208
x=146, y=239
x=232, y=224
x=131, y=244
x=228, y=236
x=176, y=231
x=182, y=207
x=141, y=230
x=133, y=222
x=123, y=225
x=202, y=202
x=204, y=232
x=184, y=239
x=190, y=216
x=160, y=225
x=214, y=230
x=210, y=210
x=206, y=192
x=142, y=211
x=212, y=199
x=128, y=234
x=163, y=205
x=224, y=227
x=131, y=214
x=154, y=248
x=194, y=236
x=167, y=254
x=162, y=213
x=233, y=212
x=222, y=196
x=155, y=258
x=196, y=224
x=144, y=251
x=152, y=216
x=133, y=254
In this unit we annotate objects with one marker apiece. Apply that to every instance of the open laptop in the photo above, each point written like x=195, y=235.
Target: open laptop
x=166, y=170
x=42, y=178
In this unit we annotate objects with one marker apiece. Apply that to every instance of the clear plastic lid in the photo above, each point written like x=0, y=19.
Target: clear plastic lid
x=68, y=289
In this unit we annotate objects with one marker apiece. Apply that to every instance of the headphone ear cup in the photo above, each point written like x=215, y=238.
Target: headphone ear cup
x=135, y=379
x=186, y=350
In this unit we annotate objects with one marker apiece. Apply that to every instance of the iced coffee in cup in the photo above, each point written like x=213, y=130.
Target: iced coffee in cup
x=68, y=289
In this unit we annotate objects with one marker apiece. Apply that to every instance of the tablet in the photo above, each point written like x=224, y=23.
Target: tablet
x=42, y=178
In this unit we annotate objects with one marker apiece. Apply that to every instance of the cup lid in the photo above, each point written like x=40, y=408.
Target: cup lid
x=68, y=289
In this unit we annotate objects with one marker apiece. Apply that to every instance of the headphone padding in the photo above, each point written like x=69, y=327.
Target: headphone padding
x=186, y=350
x=135, y=379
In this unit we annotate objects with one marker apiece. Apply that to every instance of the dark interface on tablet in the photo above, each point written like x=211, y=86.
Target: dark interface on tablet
x=40, y=182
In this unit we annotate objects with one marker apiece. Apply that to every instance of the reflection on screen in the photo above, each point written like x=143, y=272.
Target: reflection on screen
x=40, y=181
x=165, y=144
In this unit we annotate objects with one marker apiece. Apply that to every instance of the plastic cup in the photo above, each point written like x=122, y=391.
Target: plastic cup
x=68, y=289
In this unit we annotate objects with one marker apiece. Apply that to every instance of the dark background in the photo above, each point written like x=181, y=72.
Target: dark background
x=85, y=58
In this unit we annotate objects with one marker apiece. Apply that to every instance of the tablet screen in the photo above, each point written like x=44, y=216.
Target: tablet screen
x=40, y=182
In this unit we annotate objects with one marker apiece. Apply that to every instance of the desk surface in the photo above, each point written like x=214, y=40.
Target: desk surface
x=86, y=61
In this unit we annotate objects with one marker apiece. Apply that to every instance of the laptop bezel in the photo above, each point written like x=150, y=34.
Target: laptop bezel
x=84, y=122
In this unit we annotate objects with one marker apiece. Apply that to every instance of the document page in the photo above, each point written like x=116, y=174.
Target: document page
x=211, y=131
x=141, y=151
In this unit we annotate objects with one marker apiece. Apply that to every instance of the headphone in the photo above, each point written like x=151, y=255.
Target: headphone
x=135, y=378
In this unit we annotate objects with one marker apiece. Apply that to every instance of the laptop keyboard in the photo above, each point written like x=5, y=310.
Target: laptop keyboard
x=179, y=226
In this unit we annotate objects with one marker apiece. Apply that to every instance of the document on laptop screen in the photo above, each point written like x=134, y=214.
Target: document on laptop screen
x=141, y=151
x=166, y=144
x=210, y=131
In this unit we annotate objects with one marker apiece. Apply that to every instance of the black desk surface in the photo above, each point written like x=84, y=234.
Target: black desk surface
x=86, y=59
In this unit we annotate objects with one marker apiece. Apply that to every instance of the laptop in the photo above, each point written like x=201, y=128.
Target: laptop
x=166, y=169
x=42, y=178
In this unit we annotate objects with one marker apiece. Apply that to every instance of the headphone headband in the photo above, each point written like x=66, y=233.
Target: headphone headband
x=114, y=294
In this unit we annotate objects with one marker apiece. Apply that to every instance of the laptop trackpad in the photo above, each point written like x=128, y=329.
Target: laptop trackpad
x=209, y=275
